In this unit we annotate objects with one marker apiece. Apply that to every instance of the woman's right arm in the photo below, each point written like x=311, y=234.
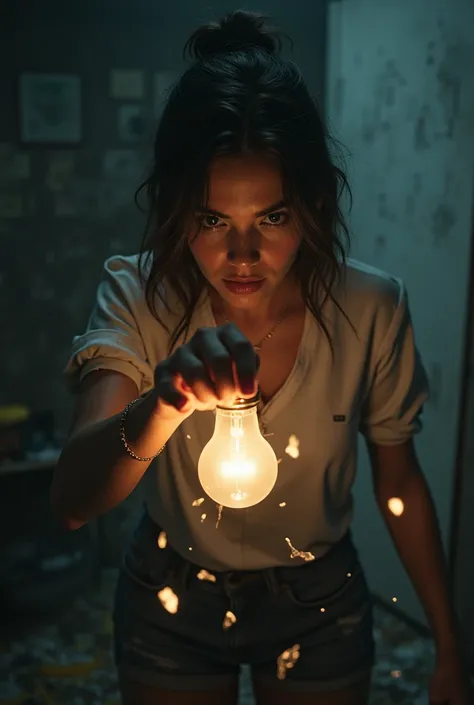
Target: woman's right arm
x=94, y=472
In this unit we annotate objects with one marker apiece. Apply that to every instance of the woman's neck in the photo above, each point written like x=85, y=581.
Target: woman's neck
x=285, y=301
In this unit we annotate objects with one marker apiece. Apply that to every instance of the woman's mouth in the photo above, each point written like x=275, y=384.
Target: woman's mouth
x=243, y=286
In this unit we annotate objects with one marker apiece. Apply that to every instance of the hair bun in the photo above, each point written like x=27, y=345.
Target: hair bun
x=238, y=31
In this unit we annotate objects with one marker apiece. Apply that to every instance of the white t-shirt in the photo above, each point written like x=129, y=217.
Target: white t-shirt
x=375, y=385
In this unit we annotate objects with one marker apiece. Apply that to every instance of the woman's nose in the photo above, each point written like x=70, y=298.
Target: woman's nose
x=242, y=258
x=243, y=250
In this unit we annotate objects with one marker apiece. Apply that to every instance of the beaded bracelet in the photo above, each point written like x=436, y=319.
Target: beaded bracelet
x=124, y=440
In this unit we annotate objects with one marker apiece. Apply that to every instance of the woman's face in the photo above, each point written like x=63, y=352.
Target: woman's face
x=245, y=231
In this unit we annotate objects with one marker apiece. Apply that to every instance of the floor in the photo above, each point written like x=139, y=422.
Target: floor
x=69, y=662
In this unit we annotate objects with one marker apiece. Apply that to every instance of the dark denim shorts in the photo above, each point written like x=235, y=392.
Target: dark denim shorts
x=323, y=607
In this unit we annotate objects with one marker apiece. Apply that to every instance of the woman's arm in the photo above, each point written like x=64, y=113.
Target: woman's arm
x=416, y=534
x=94, y=472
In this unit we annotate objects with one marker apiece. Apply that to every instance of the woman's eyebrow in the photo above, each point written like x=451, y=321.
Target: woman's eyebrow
x=259, y=214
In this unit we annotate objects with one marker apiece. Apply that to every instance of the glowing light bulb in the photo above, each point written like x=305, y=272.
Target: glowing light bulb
x=238, y=467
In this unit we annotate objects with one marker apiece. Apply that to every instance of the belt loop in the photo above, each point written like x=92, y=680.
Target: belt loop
x=271, y=581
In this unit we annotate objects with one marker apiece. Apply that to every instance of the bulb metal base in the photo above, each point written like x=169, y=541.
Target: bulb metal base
x=240, y=404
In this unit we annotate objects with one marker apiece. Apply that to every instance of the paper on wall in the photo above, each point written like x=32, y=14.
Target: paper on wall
x=131, y=123
x=79, y=198
x=60, y=170
x=50, y=108
x=122, y=164
x=11, y=205
x=65, y=205
x=93, y=199
x=14, y=165
x=126, y=85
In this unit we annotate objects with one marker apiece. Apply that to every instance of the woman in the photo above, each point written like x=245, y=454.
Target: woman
x=243, y=255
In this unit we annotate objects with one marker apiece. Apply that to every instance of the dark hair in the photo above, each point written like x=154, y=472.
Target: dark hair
x=240, y=96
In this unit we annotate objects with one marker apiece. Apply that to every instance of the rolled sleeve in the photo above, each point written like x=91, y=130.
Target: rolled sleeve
x=112, y=340
x=392, y=413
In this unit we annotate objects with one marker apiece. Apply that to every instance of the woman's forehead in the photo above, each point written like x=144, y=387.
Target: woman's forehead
x=250, y=182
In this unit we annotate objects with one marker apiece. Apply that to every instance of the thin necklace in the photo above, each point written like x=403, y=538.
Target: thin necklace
x=258, y=346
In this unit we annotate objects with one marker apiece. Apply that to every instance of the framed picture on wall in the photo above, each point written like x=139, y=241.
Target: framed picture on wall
x=50, y=108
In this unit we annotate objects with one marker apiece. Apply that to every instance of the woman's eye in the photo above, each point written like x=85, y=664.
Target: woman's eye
x=210, y=221
x=213, y=222
x=280, y=218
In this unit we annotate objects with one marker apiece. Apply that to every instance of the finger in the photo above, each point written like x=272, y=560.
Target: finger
x=194, y=374
x=193, y=401
x=244, y=357
x=169, y=392
x=217, y=361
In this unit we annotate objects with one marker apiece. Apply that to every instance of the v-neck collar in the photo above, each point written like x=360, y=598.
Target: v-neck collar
x=280, y=399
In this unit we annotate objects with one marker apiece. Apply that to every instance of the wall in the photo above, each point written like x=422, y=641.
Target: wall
x=400, y=95
x=53, y=249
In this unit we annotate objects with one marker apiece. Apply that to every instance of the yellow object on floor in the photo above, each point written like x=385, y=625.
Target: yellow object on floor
x=70, y=670
x=14, y=413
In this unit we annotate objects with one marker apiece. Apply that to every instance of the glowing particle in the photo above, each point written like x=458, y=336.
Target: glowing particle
x=203, y=516
x=396, y=674
x=198, y=502
x=204, y=575
x=287, y=660
x=229, y=620
x=162, y=540
x=282, y=504
x=396, y=506
x=394, y=599
x=305, y=555
x=292, y=449
x=169, y=600
x=323, y=609
x=349, y=575
x=188, y=436
x=219, y=515
x=190, y=548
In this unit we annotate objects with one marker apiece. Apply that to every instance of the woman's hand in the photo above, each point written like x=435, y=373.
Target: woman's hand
x=217, y=365
x=450, y=681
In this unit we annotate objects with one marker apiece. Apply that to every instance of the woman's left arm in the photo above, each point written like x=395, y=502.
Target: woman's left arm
x=391, y=415
x=415, y=532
